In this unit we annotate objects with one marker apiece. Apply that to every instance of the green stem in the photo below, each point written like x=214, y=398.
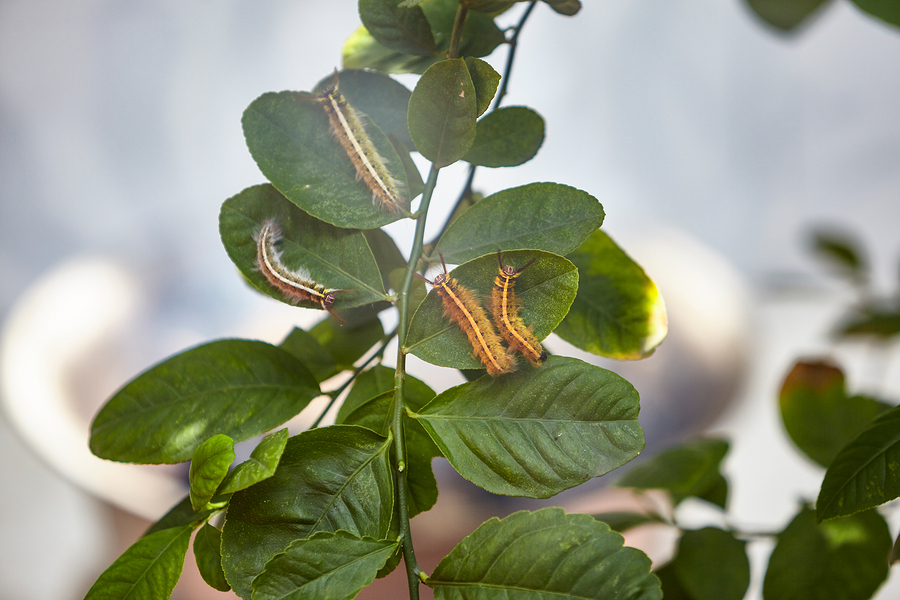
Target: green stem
x=456, y=36
x=409, y=555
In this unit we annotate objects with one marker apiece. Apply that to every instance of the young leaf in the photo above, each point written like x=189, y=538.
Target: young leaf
x=335, y=258
x=866, y=472
x=544, y=554
x=618, y=313
x=545, y=291
x=691, y=469
x=182, y=514
x=209, y=465
x=289, y=136
x=485, y=79
x=362, y=51
x=333, y=478
x=327, y=565
x=817, y=414
x=507, y=137
x=442, y=112
x=347, y=343
x=885, y=10
x=307, y=350
x=843, y=559
x=539, y=431
x=711, y=564
x=260, y=466
x=544, y=216
x=239, y=388
x=784, y=14
x=404, y=29
x=148, y=570
x=209, y=557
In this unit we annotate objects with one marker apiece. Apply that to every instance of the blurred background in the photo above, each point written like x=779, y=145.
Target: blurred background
x=714, y=143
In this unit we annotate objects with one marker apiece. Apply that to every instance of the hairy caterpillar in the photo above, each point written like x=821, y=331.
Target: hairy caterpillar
x=347, y=127
x=505, y=309
x=463, y=308
x=294, y=284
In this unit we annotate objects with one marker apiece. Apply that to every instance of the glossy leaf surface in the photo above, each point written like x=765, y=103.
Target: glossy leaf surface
x=182, y=514
x=866, y=472
x=618, y=313
x=542, y=555
x=329, y=479
x=260, y=466
x=819, y=416
x=690, y=469
x=289, y=136
x=506, y=137
x=842, y=559
x=404, y=29
x=307, y=350
x=339, y=259
x=712, y=564
x=544, y=216
x=209, y=557
x=328, y=565
x=148, y=570
x=545, y=290
x=209, y=465
x=538, y=431
x=239, y=388
x=442, y=112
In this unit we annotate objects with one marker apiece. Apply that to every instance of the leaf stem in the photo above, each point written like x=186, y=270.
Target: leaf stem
x=409, y=555
x=456, y=36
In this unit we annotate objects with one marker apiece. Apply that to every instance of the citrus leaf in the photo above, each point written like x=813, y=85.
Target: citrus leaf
x=712, y=564
x=539, y=431
x=866, y=472
x=784, y=14
x=506, y=137
x=306, y=348
x=182, y=514
x=485, y=79
x=209, y=466
x=239, y=388
x=618, y=313
x=260, y=466
x=209, y=557
x=328, y=565
x=623, y=521
x=568, y=8
x=886, y=10
x=404, y=29
x=362, y=51
x=544, y=216
x=347, y=343
x=545, y=291
x=332, y=478
x=544, y=554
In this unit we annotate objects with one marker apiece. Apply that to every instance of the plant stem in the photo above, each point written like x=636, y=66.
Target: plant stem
x=409, y=555
x=456, y=36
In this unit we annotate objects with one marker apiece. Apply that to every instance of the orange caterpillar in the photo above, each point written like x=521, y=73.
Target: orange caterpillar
x=463, y=308
x=347, y=127
x=505, y=308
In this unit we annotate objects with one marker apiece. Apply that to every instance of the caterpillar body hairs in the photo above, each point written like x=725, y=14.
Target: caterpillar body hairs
x=505, y=310
x=347, y=127
x=296, y=285
x=463, y=308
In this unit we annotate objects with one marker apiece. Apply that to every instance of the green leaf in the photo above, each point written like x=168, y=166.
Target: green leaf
x=506, y=137
x=289, y=136
x=362, y=51
x=305, y=348
x=378, y=380
x=539, y=431
x=209, y=558
x=843, y=559
x=565, y=7
x=886, y=10
x=876, y=320
x=347, y=343
x=866, y=472
x=239, y=388
x=623, y=521
x=398, y=28
x=544, y=554
x=690, y=469
x=895, y=551
x=209, y=466
x=148, y=570
x=485, y=79
x=336, y=258
x=784, y=14
x=442, y=112
x=817, y=414
x=328, y=565
x=480, y=35
x=182, y=514
x=671, y=586
x=332, y=478
x=843, y=252
x=260, y=466
x=387, y=255
x=711, y=564
x=544, y=216
x=545, y=291
x=488, y=6
x=618, y=313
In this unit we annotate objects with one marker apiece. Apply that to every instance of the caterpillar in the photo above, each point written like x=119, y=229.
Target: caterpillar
x=505, y=306
x=463, y=308
x=296, y=285
x=347, y=127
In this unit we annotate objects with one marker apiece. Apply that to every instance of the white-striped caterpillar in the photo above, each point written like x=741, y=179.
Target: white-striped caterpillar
x=465, y=310
x=347, y=127
x=296, y=285
x=505, y=309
